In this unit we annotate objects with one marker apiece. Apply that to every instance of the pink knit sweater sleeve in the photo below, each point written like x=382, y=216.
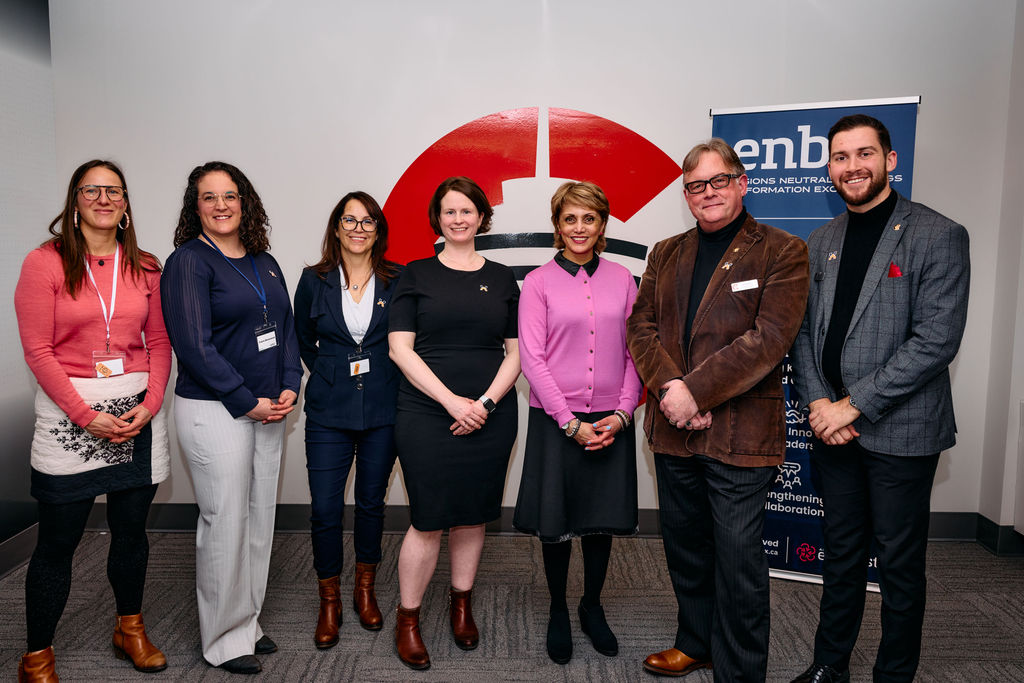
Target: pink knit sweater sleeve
x=35, y=298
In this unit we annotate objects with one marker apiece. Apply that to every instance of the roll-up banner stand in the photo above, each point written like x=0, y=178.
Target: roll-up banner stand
x=785, y=151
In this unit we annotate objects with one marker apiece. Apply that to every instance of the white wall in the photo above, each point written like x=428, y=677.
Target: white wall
x=312, y=100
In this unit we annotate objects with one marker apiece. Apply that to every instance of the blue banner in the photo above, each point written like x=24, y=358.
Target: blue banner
x=785, y=152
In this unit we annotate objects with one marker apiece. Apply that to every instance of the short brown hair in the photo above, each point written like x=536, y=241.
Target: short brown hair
x=585, y=194
x=720, y=147
x=468, y=187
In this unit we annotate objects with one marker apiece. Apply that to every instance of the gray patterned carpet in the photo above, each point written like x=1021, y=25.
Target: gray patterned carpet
x=974, y=628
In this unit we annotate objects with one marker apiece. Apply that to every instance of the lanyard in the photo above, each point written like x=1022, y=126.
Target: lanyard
x=107, y=316
x=260, y=291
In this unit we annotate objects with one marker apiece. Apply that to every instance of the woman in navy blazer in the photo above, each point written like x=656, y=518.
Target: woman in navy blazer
x=341, y=318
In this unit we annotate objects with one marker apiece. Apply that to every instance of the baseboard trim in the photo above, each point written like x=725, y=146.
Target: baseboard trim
x=1003, y=541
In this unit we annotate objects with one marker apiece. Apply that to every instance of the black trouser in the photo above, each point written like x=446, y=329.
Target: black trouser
x=48, y=581
x=712, y=519
x=871, y=496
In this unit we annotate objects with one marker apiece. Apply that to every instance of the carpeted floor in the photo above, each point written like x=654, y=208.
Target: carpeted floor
x=974, y=628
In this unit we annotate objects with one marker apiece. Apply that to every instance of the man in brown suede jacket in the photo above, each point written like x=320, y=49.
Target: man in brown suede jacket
x=718, y=308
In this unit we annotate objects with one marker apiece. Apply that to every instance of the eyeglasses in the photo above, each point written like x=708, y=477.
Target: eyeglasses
x=210, y=198
x=349, y=223
x=717, y=182
x=114, y=193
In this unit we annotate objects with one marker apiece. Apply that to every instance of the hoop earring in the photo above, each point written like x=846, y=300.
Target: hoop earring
x=75, y=218
x=127, y=221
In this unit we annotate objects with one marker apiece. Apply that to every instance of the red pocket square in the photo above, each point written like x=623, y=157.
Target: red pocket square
x=894, y=270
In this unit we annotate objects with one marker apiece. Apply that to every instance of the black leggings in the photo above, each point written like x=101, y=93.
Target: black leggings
x=597, y=549
x=48, y=581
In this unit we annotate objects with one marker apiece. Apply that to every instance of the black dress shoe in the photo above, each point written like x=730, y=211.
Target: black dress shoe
x=559, y=638
x=822, y=673
x=265, y=646
x=246, y=664
x=592, y=623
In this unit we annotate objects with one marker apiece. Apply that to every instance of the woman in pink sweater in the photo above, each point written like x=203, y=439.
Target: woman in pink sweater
x=88, y=307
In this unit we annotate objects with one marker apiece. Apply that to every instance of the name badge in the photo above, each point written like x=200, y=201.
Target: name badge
x=266, y=336
x=108, y=364
x=358, y=364
x=746, y=284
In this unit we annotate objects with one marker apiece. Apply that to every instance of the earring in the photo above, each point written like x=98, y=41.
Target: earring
x=75, y=218
x=127, y=221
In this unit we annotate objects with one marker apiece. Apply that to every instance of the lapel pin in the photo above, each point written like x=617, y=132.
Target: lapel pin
x=833, y=255
x=896, y=227
x=727, y=265
x=735, y=250
x=272, y=273
x=380, y=302
x=483, y=288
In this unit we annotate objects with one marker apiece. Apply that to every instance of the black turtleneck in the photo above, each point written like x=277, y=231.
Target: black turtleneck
x=711, y=248
x=863, y=231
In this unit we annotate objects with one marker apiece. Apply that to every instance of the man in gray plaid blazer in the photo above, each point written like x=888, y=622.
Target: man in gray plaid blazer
x=885, y=315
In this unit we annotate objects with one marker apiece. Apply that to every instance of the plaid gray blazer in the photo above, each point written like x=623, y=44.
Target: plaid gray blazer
x=905, y=331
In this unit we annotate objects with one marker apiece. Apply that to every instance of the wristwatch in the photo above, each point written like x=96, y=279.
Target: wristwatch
x=488, y=404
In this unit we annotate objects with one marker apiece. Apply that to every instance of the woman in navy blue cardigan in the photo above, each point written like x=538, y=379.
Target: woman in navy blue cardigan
x=341, y=317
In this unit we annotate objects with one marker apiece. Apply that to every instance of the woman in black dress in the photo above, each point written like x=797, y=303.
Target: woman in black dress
x=454, y=337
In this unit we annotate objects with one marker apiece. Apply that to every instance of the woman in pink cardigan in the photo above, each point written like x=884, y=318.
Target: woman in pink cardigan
x=88, y=307
x=579, y=473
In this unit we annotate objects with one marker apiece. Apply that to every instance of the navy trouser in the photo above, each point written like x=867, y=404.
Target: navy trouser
x=329, y=456
x=712, y=519
x=871, y=496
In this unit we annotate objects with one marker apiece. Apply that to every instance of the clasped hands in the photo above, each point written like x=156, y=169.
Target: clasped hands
x=680, y=409
x=600, y=434
x=469, y=414
x=267, y=411
x=832, y=422
x=118, y=429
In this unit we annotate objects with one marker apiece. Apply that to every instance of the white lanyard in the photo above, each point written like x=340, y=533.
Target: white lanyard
x=113, y=291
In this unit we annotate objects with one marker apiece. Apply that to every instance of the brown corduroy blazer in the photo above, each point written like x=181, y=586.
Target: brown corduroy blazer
x=740, y=334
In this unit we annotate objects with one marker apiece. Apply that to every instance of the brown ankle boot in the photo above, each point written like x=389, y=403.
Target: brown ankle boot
x=37, y=667
x=408, y=642
x=329, y=619
x=130, y=642
x=463, y=627
x=364, y=599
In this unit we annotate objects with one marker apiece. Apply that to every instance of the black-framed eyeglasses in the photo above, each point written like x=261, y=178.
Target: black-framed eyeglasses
x=115, y=193
x=210, y=198
x=349, y=223
x=717, y=182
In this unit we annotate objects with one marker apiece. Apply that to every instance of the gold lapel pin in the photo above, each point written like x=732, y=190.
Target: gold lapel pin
x=727, y=265
x=483, y=288
x=380, y=302
x=896, y=227
x=833, y=255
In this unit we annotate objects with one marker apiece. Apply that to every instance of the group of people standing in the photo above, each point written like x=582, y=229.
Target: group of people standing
x=419, y=362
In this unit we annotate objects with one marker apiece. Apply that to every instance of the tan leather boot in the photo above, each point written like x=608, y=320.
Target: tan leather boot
x=329, y=619
x=364, y=599
x=131, y=642
x=37, y=667
x=408, y=642
x=464, y=628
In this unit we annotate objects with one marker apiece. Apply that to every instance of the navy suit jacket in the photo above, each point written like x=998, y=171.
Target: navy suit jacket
x=905, y=331
x=334, y=398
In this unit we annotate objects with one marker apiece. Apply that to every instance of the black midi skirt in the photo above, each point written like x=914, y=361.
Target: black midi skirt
x=567, y=492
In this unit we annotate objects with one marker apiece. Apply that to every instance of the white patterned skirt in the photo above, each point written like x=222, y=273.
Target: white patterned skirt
x=70, y=464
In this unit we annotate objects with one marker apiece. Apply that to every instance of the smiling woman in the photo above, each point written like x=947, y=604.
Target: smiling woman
x=231, y=326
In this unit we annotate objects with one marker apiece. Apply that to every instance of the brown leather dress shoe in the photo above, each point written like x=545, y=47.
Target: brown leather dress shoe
x=364, y=599
x=408, y=642
x=464, y=628
x=329, y=618
x=37, y=667
x=131, y=642
x=672, y=662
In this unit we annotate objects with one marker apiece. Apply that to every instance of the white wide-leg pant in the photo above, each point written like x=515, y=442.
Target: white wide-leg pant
x=234, y=464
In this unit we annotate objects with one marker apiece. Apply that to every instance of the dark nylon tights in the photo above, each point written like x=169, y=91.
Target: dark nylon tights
x=597, y=549
x=48, y=581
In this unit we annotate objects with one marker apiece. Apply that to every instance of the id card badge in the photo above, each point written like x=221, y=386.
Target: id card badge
x=358, y=363
x=266, y=336
x=108, y=364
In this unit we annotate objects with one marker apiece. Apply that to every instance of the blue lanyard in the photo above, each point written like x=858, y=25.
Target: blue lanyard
x=260, y=291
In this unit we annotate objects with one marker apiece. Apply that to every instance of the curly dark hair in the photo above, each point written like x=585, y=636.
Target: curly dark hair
x=255, y=225
x=330, y=248
x=70, y=243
